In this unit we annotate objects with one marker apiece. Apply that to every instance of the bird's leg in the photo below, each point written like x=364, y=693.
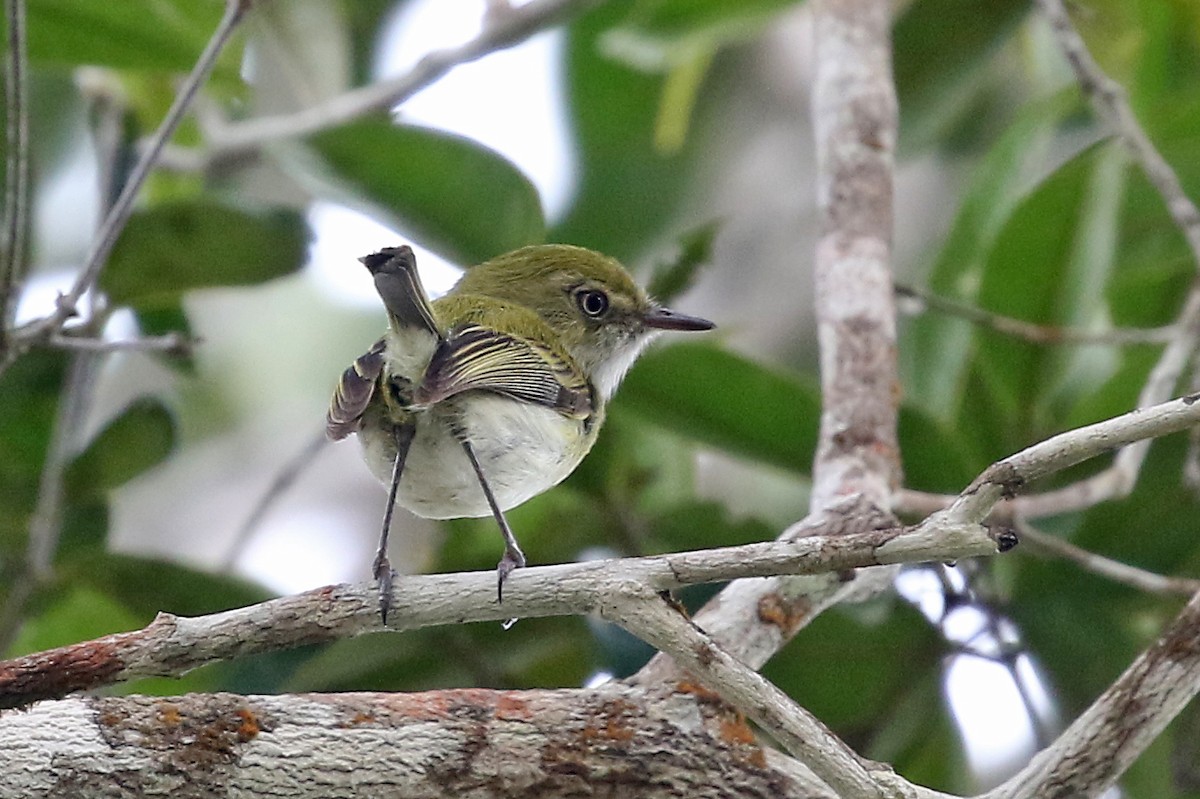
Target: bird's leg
x=383, y=567
x=513, y=558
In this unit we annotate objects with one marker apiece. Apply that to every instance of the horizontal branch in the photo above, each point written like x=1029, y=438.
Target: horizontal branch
x=669, y=743
x=173, y=645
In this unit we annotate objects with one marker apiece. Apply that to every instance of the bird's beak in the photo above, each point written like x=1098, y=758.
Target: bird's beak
x=666, y=319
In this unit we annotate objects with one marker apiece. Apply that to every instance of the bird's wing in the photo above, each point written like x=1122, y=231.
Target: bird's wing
x=399, y=285
x=475, y=357
x=353, y=393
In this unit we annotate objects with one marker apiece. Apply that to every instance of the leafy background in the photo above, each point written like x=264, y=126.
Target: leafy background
x=688, y=120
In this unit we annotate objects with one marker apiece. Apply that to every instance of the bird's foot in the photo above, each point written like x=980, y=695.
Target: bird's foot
x=384, y=575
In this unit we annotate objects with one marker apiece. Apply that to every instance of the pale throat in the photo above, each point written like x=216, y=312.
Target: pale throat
x=607, y=371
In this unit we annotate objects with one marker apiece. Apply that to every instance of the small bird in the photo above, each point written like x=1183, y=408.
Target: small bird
x=488, y=396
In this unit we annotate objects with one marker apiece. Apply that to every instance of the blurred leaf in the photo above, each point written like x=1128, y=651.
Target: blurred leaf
x=148, y=585
x=700, y=525
x=627, y=190
x=934, y=350
x=940, y=51
x=672, y=278
x=658, y=35
x=170, y=249
x=919, y=739
x=450, y=193
x=161, y=320
x=133, y=34
x=875, y=664
x=1049, y=265
x=137, y=439
x=934, y=457
x=79, y=612
x=29, y=393
x=727, y=402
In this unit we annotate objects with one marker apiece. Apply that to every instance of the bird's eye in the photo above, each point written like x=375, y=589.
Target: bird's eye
x=594, y=303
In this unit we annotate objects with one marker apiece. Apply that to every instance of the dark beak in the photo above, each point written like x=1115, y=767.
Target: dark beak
x=666, y=319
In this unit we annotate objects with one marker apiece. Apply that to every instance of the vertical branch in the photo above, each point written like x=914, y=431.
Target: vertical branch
x=858, y=463
x=854, y=114
x=16, y=176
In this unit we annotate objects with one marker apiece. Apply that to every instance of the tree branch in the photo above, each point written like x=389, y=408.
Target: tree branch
x=1105, y=740
x=172, y=646
x=1107, y=568
x=854, y=116
x=118, y=214
x=16, y=174
x=501, y=30
x=670, y=743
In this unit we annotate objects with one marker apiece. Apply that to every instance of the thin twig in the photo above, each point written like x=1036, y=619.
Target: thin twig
x=500, y=31
x=284, y=479
x=16, y=177
x=1031, y=331
x=1109, y=99
x=175, y=344
x=1108, y=568
x=114, y=221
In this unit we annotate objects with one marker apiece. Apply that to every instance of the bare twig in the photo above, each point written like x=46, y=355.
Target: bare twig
x=1109, y=99
x=16, y=176
x=176, y=344
x=1107, y=568
x=1031, y=331
x=172, y=646
x=118, y=214
x=500, y=31
x=284, y=479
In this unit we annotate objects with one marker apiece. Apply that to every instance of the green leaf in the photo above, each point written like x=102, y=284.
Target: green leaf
x=628, y=190
x=727, y=402
x=139, y=438
x=449, y=193
x=940, y=52
x=672, y=278
x=133, y=34
x=79, y=613
x=168, y=250
x=658, y=33
x=149, y=585
x=1049, y=265
x=874, y=662
x=935, y=347
x=29, y=393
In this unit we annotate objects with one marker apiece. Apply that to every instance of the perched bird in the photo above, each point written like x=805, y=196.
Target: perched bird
x=475, y=402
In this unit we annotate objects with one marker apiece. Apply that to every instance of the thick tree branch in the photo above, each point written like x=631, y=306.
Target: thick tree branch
x=670, y=743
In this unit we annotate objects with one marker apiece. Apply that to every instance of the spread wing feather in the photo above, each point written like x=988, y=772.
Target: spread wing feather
x=477, y=358
x=399, y=286
x=353, y=393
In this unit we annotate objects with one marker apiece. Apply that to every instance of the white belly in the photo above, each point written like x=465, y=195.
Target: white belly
x=523, y=450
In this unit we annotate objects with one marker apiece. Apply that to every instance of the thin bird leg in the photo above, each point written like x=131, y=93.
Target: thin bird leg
x=383, y=568
x=513, y=558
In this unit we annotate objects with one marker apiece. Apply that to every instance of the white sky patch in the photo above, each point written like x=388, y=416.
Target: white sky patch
x=511, y=101
x=997, y=733
x=341, y=236
x=298, y=552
